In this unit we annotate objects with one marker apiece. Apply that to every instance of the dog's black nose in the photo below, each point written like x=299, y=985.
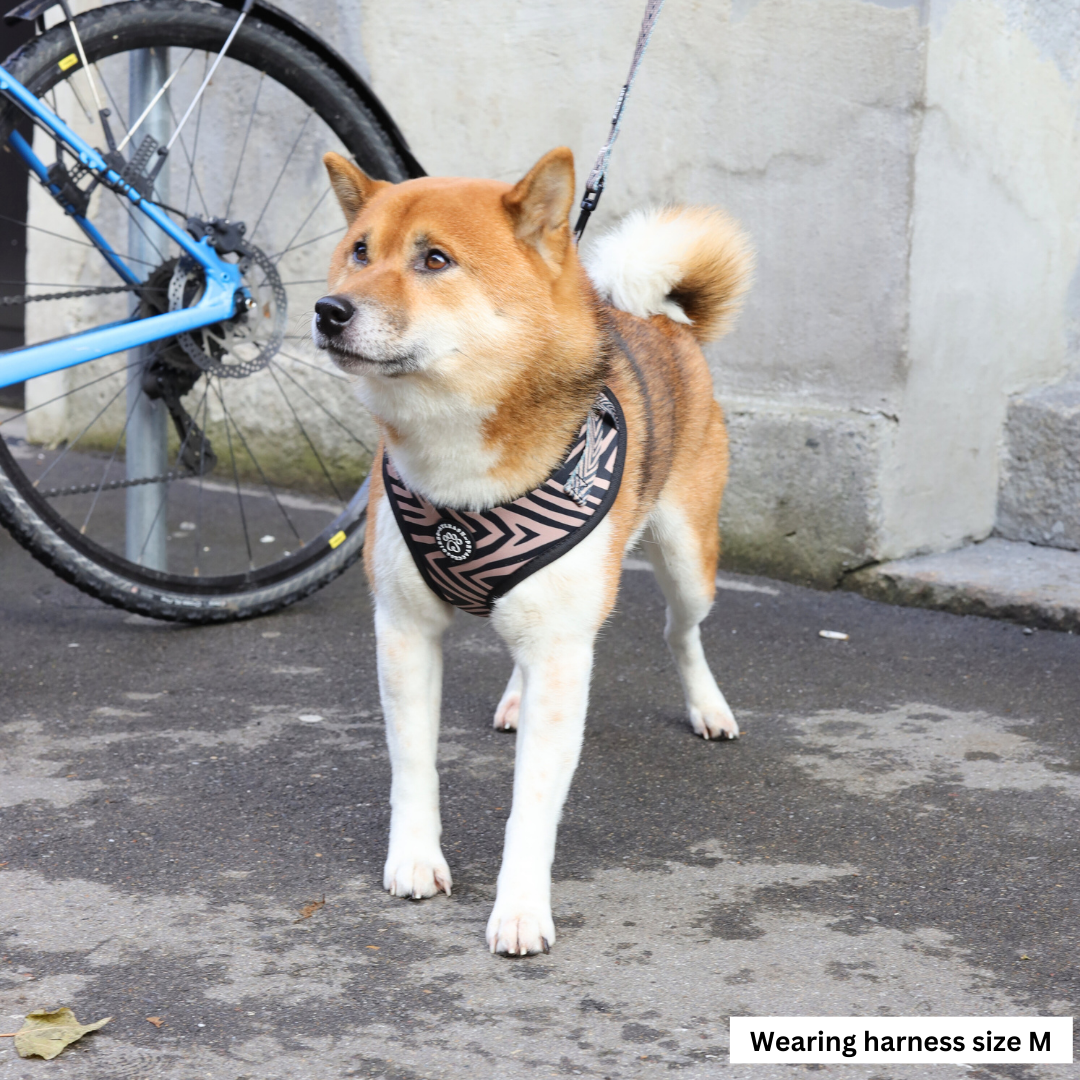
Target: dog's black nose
x=332, y=315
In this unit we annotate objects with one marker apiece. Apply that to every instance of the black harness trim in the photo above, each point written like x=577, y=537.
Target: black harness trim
x=471, y=558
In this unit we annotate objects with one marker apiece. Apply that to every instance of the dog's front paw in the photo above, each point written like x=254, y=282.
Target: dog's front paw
x=520, y=933
x=416, y=878
x=715, y=721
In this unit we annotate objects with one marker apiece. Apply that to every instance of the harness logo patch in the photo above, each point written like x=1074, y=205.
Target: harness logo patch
x=454, y=542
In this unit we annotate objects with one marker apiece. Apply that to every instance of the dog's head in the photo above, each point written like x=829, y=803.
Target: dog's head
x=445, y=276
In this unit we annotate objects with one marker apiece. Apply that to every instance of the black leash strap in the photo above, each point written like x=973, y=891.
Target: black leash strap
x=594, y=186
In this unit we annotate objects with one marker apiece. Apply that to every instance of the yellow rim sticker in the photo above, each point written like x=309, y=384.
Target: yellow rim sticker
x=337, y=539
x=69, y=61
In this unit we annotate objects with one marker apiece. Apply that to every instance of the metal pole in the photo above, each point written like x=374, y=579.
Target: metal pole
x=148, y=426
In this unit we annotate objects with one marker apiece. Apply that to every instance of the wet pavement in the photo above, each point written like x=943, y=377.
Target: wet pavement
x=897, y=833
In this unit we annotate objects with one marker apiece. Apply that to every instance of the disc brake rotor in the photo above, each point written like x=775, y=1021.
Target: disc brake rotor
x=244, y=344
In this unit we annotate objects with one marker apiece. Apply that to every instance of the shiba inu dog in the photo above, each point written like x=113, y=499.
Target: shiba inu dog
x=485, y=350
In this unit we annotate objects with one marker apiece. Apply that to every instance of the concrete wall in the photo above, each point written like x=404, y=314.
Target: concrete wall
x=909, y=172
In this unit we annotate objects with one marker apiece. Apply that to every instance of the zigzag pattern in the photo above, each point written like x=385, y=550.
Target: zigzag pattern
x=484, y=554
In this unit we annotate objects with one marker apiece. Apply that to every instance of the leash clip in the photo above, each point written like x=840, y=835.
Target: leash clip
x=593, y=190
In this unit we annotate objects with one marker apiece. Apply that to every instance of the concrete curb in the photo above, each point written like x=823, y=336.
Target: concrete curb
x=1001, y=579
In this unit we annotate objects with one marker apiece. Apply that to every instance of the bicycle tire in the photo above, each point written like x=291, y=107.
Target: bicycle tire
x=24, y=511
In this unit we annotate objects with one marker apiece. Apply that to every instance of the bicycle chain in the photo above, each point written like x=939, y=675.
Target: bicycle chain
x=113, y=485
x=100, y=290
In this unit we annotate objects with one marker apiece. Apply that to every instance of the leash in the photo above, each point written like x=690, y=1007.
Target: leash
x=594, y=186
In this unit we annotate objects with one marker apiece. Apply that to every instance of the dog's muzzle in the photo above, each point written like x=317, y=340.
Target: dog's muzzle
x=332, y=315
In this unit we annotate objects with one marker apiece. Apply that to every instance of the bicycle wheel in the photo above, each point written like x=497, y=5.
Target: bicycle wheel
x=218, y=474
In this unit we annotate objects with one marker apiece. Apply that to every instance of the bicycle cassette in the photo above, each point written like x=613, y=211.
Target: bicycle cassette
x=246, y=343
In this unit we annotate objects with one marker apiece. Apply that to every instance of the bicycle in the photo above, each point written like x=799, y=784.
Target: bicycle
x=165, y=430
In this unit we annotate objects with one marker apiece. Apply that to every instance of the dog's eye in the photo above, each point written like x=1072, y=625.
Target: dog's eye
x=436, y=260
x=359, y=252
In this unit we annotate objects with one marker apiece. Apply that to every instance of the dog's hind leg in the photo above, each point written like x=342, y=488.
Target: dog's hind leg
x=506, y=714
x=683, y=548
x=409, y=623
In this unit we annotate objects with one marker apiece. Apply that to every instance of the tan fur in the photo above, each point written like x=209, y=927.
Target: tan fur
x=692, y=263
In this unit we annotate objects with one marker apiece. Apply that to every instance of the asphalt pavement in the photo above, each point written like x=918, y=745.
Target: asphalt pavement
x=896, y=833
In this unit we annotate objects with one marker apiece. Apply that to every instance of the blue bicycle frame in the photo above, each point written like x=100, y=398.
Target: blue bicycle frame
x=223, y=292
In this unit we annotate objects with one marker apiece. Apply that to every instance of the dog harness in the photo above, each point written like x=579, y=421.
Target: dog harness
x=470, y=558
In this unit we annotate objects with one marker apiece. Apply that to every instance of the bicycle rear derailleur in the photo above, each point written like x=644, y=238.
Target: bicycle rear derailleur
x=169, y=374
x=161, y=380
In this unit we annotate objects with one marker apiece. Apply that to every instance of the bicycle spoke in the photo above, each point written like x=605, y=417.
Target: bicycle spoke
x=152, y=103
x=190, y=162
x=236, y=476
x=275, y=259
x=307, y=438
x=66, y=393
x=146, y=236
x=273, y=190
x=243, y=145
x=70, y=239
x=202, y=474
x=150, y=532
x=303, y=389
x=48, y=284
x=315, y=367
x=67, y=449
x=112, y=100
x=105, y=474
x=48, y=232
x=78, y=97
x=255, y=462
x=195, y=145
x=108, y=464
x=311, y=213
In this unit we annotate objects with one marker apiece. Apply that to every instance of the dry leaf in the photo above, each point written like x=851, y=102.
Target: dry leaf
x=45, y=1033
x=155, y=1020
x=309, y=909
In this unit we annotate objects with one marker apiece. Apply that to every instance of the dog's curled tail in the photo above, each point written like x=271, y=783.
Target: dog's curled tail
x=690, y=263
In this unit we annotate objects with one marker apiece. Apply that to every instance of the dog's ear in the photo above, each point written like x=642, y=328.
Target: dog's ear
x=539, y=206
x=352, y=186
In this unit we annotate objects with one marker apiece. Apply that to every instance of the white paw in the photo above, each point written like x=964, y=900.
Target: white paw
x=416, y=878
x=714, y=722
x=520, y=933
x=506, y=715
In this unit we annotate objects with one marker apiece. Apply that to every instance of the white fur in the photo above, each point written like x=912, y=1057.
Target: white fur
x=409, y=623
x=440, y=451
x=673, y=550
x=638, y=263
x=549, y=622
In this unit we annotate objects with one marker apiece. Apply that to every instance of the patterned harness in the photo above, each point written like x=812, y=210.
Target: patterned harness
x=470, y=558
